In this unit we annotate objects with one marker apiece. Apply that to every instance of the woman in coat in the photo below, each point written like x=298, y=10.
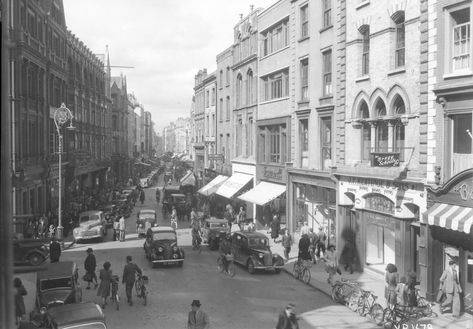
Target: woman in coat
x=89, y=265
x=105, y=277
x=20, y=291
x=392, y=278
x=275, y=228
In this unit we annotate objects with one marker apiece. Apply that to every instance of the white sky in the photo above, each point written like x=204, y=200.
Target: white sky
x=167, y=41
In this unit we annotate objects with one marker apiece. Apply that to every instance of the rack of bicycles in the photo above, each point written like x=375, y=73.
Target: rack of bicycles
x=363, y=302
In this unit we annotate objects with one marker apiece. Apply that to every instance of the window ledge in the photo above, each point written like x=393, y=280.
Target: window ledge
x=303, y=102
x=304, y=38
x=274, y=100
x=363, y=78
x=325, y=28
x=362, y=4
x=459, y=74
x=325, y=97
x=399, y=70
x=275, y=52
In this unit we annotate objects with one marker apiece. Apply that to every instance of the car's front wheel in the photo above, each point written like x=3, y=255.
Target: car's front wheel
x=36, y=259
x=251, y=267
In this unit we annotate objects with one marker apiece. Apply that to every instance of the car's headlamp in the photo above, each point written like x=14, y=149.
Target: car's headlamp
x=261, y=255
x=42, y=310
x=174, y=248
x=160, y=249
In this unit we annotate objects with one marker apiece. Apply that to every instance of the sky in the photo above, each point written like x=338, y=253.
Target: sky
x=166, y=41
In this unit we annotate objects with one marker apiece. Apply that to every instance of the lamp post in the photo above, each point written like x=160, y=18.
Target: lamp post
x=61, y=116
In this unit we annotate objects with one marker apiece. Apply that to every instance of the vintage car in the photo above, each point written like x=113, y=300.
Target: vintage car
x=32, y=251
x=57, y=285
x=110, y=211
x=124, y=207
x=92, y=224
x=251, y=249
x=167, y=199
x=74, y=316
x=145, y=219
x=212, y=230
x=161, y=246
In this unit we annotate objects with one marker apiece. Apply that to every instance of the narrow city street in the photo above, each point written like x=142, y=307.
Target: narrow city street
x=244, y=301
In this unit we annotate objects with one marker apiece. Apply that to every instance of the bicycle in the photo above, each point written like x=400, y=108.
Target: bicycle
x=301, y=271
x=398, y=316
x=140, y=287
x=115, y=298
x=197, y=243
x=230, y=264
x=424, y=306
x=367, y=305
x=346, y=292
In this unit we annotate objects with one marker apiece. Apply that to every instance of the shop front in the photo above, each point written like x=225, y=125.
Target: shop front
x=447, y=234
x=382, y=216
x=312, y=199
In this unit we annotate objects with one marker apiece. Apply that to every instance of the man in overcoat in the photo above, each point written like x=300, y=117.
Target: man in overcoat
x=129, y=278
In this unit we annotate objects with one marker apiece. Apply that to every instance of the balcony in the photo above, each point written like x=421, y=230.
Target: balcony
x=461, y=162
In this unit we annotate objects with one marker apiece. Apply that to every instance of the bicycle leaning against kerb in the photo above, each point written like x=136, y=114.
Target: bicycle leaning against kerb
x=301, y=270
x=367, y=305
x=140, y=287
x=346, y=292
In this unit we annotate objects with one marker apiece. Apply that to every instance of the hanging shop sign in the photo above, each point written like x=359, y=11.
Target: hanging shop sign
x=389, y=159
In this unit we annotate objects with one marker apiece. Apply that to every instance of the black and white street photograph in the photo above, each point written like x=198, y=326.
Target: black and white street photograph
x=236, y=164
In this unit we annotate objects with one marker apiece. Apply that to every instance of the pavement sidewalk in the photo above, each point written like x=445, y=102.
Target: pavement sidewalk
x=368, y=280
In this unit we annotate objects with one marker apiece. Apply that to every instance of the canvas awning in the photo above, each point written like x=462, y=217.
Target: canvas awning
x=188, y=179
x=233, y=185
x=213, y=185
x=263, y=193
x=449, y=216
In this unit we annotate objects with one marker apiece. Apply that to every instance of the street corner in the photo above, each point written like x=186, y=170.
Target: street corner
x=336, y=317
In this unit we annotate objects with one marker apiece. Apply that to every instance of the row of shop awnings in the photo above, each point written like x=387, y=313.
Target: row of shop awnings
x=228, y=187
x=450, y=217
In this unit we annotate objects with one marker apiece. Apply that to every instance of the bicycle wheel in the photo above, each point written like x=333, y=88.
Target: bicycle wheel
x=425, y=307
x=336, y=293
x=389, y=318
x=138, y=288
x=377, y=314
x=220, y=264
x=296, y=271
x=306, y=275
x=231, y=269
x=362, y=306
x=352, y=303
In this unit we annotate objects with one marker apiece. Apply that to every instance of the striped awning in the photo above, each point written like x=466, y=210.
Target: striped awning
x=449, y=216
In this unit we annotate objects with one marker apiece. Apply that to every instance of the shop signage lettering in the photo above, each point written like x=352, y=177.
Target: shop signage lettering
x=385, y=160
x=377, y=183
x=273, y=173
x=464, y=190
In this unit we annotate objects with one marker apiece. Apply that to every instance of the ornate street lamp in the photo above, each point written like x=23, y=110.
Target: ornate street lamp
x=61, y=116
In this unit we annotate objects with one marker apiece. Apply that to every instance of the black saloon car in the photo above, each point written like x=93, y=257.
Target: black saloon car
x=161, y=246
x=251, y=249
x=213, y=230
x=57, y=285
x=31, y=251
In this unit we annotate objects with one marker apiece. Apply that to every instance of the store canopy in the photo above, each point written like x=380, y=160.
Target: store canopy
x=188, y=179
x=449, y=216
x=214, y=184
x=233, y=185
x=263, y=193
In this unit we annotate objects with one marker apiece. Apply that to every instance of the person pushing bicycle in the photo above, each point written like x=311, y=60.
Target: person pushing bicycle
x=196, y=231
x=224, y=249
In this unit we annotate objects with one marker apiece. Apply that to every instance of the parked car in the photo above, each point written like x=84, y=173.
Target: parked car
x=167, y=201
x=145, y=219
x=251, y=249
x=212, y=230
x=57, y=285
x=32, y=251
x=110, y=211
x=161, y=246
x=92, y=224
x=74, y=316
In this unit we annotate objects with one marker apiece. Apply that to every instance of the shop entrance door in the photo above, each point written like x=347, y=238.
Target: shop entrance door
x=380, y=244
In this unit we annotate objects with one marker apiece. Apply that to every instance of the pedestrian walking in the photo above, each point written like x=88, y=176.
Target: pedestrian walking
x=450, y=281
x=331, y=260
x=348, y=256
x=197, y=319
x=128, y=278
x=305, y=229
x=392, y=278
x=241, y=218
x=313, y=244
x=142, y=196
x=275, y=228
x=287, y=318
x=287, y=243
x=116, y=229
x=90, y=265
x=54, y=250
x=322, y=237
x=105, y=282
x=121, y=226
x=411, y=296
x=51, y=231
x=42, y=228
x=19, y=291
x=228, y=215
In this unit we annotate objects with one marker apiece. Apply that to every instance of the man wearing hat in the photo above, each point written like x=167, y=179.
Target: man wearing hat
x=287, y=318
x=450, y=281
x=197, y=319
x=90, y=264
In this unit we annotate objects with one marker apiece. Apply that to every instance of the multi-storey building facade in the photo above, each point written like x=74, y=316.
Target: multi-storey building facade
x=447, y=125
x=199, y=121
x=121, y=164
x=311, y=189
x=224, y=111
x=381, y=180
x=210, y=99
x=38, y=87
